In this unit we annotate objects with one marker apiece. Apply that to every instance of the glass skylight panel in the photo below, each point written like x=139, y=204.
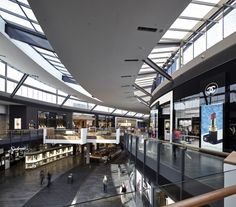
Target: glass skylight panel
x=163, y=49
x=11, y=6
x=196, y=10
x=24, y=2
x=38, y=28
x=41, y=50
x=59, y=64
x=16, y=20
x=159, y=55
x=51, y=58
x=130, y=113
x=147, y=99
x=211, y=1
x=146, y=70
x=151, y=77
x=138, y=115
x=29, y=13
x=103, y=109
x=174, y=35
x=119, y=111
x=184, y=24
x=139, y=93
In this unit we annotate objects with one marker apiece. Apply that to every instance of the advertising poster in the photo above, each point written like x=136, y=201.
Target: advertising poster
x=212, y=127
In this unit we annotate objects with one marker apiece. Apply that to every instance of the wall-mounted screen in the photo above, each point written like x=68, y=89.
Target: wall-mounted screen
x=212, y=127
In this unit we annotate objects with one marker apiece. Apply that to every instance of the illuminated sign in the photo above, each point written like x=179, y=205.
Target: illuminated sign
x=211, y=89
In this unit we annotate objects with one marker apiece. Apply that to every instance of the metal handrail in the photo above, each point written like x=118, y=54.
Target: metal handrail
x=206, y=198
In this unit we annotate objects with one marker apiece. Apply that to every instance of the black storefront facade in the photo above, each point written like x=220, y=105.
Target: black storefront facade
x=203, y=105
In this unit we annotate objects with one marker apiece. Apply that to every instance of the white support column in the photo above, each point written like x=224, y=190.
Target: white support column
x=88, y=153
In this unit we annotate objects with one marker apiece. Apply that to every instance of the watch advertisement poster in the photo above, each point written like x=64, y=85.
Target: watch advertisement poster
x=212, y=127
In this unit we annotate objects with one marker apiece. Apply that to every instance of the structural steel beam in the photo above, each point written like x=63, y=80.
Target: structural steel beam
x=19, y=84
x=149, y=62
x=142, y=101
x=65, y=100
x=141, y=89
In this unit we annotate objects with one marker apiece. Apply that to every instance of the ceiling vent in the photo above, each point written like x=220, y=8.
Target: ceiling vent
x=126, y=76
x=131, y=60
x=147, y=29
x=125, y=86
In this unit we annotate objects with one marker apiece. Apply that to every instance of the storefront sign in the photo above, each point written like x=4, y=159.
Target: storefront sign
x=211, y=89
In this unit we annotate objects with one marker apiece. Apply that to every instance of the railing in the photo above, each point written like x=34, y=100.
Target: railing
x=10, y=137
x=206, y=198
x=213, y=190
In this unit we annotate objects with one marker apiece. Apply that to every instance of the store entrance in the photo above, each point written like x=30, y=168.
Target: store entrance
x=164, y=127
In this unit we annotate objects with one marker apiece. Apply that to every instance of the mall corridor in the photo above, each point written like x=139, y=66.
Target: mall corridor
x=22, y=188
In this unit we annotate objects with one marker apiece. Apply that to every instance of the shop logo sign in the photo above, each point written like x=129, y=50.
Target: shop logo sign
x=211, y=89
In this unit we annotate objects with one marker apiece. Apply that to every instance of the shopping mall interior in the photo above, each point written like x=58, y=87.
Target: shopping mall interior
x=117, y=103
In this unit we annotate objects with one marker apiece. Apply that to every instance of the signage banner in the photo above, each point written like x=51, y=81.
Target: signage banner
x=212, y=127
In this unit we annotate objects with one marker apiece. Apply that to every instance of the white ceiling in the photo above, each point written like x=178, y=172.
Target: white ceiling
x=93, y=38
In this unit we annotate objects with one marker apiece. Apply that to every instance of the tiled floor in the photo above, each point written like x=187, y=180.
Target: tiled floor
x=20, y=187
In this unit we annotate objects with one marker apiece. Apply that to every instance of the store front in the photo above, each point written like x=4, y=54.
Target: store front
x=204, y=110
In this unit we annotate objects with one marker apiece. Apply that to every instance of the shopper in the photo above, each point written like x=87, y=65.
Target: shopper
x=119, y=170
x=41, y=175
x=49, y=176
x=123, y=188
x=105, y=182
x=176, y=139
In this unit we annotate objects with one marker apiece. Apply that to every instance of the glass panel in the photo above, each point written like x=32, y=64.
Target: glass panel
x=14, y=74
x=38, y=28
x=103, y=109
x=212, y=38
x=60, y=100
x=2, y=84
x=184, y=24
x=24, y=1
x=79, y=104
x=200, y=45
x=17, y=20
x=229, y=23
x=138, y=115
x=188, y=54
x=196, y=10
x=160, y=55
x=175, y=35
x=40, y=50
x=2, y=68
x=211, y=1
x=163, y=49
x=29, y=13
x=146, y=70
x=10, y=6
x=119, y=111
x=130, y=113
x=11, y=86
x=62, y=93
x=32, y=82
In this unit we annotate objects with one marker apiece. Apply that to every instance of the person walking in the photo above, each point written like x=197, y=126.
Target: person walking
x=105, y=182
x=119, y=170
x=49, y=176
x=41, y=175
